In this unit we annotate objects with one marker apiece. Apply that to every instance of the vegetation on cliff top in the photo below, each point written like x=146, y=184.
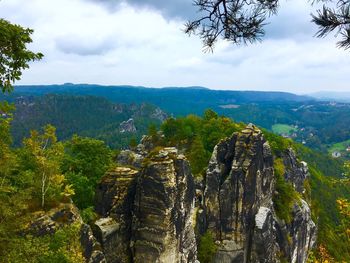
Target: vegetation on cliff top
x=197, y=136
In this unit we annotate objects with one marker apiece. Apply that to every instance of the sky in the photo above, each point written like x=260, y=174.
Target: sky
x=141, y=42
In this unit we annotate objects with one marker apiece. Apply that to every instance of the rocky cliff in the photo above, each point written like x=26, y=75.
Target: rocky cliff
x=155, y=212
x=238, y=200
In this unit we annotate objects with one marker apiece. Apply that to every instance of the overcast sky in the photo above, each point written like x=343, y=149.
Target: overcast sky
x=140, y=42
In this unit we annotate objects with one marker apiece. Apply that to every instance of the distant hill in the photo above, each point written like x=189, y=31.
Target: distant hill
x=84, y=115
x=317, y=124
x=177, y=100
x=331, y=95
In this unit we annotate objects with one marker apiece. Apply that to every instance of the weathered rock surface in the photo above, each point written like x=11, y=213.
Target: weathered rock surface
x=164, y=209
x=153, y=213
x=49, y=222
x=92, y=248
x=239, y=182
x=239, y=206
x=127, y=126
x=114, y=201
x=296, y=172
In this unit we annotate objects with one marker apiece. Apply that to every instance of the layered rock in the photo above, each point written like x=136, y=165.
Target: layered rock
x=147, y=215
x=164, y=209
x=239, y=181
x=114, y=201
x=238, y=203
x=157, y=213
x=296, y=172
x=92, y=249
x=301, y=231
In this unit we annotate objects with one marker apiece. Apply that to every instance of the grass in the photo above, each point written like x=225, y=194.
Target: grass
x=283, y=128
x=339, y=147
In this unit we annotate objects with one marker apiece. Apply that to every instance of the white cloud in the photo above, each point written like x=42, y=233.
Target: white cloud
x=84, y=42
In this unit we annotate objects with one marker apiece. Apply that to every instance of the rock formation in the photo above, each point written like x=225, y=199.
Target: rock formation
x=239, y=206
x=155, y=212
x=239, y=186
x=164, y=210
x=127, y=126
x=114, y=202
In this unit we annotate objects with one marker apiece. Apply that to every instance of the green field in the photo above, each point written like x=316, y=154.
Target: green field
x=339, y=147
x=283, y=128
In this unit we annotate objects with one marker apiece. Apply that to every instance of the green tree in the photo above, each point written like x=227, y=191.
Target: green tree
x=86, y=160
x=45, y=155
x=198, y=156
x=14, y=55
x=133, y=142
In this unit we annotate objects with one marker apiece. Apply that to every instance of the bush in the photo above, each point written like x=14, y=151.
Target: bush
x=207, y=248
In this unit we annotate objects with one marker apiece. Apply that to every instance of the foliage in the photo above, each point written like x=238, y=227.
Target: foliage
x=198, y=136
x=337, y=19
x=44, y=155
x=285, y=196
x=242, y=21
x=62, y=247
x=207, y=248
x=237, y=21
x=89, y=215
x=85, y=161
x=83, y=115
x=14, y=55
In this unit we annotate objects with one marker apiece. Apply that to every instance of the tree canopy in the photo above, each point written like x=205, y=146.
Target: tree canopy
x=14, y=54
x=243, y=21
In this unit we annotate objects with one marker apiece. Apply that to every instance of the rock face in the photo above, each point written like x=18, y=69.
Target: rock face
x=127, y=126
x=114, y=202
x=155, y=212
x=296, y=172
x=239, y=185
x=147, y=215
x=164, y=210
x=92, y=248
x=239, y=207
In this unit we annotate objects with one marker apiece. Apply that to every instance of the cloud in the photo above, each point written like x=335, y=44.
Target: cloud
x=183, y=9
x=84, y=47
x=136, y=44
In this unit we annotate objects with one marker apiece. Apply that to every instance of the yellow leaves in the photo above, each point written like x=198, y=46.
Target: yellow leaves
x=344, y=207
x=68, y=191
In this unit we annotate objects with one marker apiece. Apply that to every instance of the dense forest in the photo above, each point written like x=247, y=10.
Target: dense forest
x=321, y=125
x=46, y=173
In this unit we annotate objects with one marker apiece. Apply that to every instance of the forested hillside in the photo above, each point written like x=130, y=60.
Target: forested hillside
x=74, y=168
x=317, y=124
x=84, y=115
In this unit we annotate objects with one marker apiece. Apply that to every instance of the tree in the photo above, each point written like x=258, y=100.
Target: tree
x=85, y=161
x=44, y=154
x=338, y=19
x=14, y=55
x=243, y=21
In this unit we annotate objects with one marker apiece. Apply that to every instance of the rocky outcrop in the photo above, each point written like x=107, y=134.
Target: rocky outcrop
x=238, y=203
x=164, y=209
x=160, y=115
x=239, y=182
x=296, y=172
x=301, y=231
x=49, y=222
x=114, y=202
x=92, y=248
x=127, y=126
x=147, y=215
x=156, y=212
